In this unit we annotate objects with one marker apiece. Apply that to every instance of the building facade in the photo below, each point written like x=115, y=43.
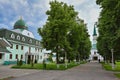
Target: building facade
x=94, y=53
x=19, y=44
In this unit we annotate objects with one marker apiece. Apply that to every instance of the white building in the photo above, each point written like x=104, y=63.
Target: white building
x=94, y=53
x=19, y=44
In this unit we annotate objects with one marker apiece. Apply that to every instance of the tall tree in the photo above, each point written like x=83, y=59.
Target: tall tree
x=64, y=32
x=54, y=32
x=109, y=28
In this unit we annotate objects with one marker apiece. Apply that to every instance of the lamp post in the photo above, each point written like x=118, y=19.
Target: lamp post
x=113, y=66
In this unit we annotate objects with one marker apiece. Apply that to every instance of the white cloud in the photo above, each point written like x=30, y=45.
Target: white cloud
x=4, y=26
x=33, y=11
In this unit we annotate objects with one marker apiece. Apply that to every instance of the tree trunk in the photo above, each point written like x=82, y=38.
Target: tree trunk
x=57, y=55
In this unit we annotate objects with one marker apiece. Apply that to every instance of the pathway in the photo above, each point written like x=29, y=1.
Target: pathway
x=89, y=71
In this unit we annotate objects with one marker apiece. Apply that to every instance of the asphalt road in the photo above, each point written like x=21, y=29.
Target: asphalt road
x=89, y=71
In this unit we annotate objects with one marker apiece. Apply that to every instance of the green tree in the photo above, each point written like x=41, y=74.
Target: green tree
x=109, y=28
x=54, y=32
x=64, y=33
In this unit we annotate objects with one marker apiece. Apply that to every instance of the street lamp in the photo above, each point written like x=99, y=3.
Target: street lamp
x=113, y=66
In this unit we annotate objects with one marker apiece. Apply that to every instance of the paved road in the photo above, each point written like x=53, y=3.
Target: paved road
x=89, y=71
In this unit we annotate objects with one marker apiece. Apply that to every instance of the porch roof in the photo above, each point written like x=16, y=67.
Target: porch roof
x=4, y=43
x=4, y=50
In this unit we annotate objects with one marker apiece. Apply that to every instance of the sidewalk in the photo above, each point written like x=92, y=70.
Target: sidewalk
x=6, y=71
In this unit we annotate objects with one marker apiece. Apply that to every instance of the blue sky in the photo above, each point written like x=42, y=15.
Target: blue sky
x=33, y=13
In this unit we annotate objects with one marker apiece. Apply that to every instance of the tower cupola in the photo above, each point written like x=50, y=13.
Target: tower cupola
x=20, y=24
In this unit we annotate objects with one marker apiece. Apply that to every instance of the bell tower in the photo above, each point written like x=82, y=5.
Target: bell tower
x=94, y=35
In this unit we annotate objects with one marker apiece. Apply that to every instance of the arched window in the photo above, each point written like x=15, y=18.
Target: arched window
x=18, y=37
x=23, y=39
x=12, y=36
x=30, y=41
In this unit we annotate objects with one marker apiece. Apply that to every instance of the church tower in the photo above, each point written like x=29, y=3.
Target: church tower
x=94, y=53
x=94, y=42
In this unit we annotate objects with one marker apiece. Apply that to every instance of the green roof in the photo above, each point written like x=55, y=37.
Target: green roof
x=4, y=33
x=20, y=24
x=94, y=32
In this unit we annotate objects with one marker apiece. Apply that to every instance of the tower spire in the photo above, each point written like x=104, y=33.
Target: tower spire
x=20, y=17
x=94, y=31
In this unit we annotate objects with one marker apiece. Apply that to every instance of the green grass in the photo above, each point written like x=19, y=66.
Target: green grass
x=117, y=75
x=50, y=66
x=109, y=67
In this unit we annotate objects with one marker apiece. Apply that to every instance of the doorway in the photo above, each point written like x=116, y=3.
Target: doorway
x=29, y=59
x=95, y=58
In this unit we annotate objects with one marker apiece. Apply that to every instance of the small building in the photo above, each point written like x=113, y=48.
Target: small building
x=94, y=53
x=19, y=44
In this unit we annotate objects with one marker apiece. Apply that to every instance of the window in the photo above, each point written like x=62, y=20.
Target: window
x=0, y=56
x=21, y=56
x=38, y=49
x=39, y=43
x=37, y=56
x=22, y=47
x=18, y=37
x=11, y=46
x=16, y=46
x=41, y=50
x=36, y=42
x=28, y=34
x=30, y=41
x=23, y=39
x=35, y=49
x=10, y=56
x=12, y=36
x=40, y=57
x=16, y=56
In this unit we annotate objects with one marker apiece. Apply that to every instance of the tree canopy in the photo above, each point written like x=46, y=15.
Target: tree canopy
x=109, y=28
x=64, y=33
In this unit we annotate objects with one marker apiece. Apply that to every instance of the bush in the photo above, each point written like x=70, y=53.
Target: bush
x=20, y=62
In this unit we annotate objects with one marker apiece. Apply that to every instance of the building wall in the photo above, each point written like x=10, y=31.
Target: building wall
x=29, y=45
x=35, y=51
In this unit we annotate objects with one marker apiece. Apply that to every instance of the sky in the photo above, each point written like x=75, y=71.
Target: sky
x=33, y=13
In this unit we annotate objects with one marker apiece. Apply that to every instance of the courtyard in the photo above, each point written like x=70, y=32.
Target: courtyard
x=88, y=71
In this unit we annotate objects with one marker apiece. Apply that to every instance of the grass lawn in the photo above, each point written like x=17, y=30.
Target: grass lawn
x=118, y=75
x=109, y=67
x=50, y=66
